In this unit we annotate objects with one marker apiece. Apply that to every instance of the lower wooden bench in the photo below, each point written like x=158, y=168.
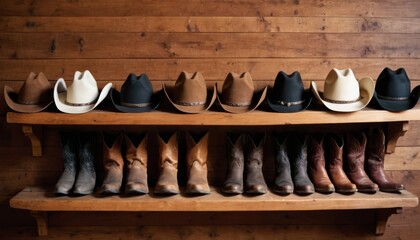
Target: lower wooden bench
x=41, y=200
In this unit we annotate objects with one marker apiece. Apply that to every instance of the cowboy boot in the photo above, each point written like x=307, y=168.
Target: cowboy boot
x=335, y=169
x=168, y=160
x=197, y=152
x=316, y=164
x=136, y=156
x=113, y=164
x=86, y=178
x=254, y=181
x=68, y=177
x=375, y=154
x=283, y=183
x=235, y=168
x=355, y=156
x=297, y=150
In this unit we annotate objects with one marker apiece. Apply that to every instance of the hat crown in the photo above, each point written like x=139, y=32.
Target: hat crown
x=288, y=87
x=136, y=89
x=393, y=84
x=190, y=88
x=341, y=85
x=238, y=88
x=36, y=89
x=83, y=90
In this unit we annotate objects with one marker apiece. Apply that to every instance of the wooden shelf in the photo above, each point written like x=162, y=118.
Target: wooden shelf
x=210, y=118
x=40, y=201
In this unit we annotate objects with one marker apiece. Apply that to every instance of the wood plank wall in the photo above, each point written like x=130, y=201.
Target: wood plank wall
x=162, y=38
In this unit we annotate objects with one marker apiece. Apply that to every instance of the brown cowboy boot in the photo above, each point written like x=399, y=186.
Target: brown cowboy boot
x=197, y=152
x=113, y=164
x=235, y=168
x=334, y=159
x=375, y=154
x=168, y=160
x=355, y=156
x=316, y=165
x=136, y=156
x=254, y=181
x=283, y=183
x=297, y=150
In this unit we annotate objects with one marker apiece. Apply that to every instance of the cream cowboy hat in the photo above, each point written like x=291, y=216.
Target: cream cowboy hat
x=81, y=96
x=342, y=91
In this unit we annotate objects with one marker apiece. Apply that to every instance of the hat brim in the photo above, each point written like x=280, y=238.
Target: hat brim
x=398, y=106
x=211, y=97
x=292, y=108
x=60, y=95
x=366, y=88
x=115, y=98
x=11, y=97
x=257, y=99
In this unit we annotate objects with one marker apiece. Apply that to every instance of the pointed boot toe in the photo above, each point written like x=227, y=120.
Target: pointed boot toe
x=325, y=188
x=167, y=189
x=136, y=188
x=198, y=189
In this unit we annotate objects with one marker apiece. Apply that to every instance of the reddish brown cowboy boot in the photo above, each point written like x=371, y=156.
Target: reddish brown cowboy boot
x=235, y=168
x=168, y=164
x=197, y=152
x=136, y=156
x=316, y=165
x=375, y=154
x=335, y=169
x=355, y=158
x=113, y=164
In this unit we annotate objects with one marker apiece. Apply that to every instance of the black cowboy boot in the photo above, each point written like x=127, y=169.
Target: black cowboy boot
x=86, y=178
x=66, y=181
x=283, y=183
x=297, y=149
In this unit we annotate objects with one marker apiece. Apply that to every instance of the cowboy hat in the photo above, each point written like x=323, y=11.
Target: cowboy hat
x=136, y=95
x=81, y=96
x=238, y=95
x=35, y=94
x=342, y=91
x=189, y=95
x=288, y=93
x=392, y=91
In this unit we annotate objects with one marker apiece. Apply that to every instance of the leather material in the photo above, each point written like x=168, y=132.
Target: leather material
x=136, y=155
x=168, y=166
x=86, y=177
x=316, y=165
x=68, y=176
x=334, y=158
x=355, y=159
x=113, y=164
x=283, y=183
x=254, y=181
x=197, y=152
x=375, y=156
x=233, y=183
x=297, y=149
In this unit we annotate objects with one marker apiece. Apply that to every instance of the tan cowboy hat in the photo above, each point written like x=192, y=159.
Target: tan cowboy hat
x=238, y=94
x=35, y=94
x=81, y=96
x=342, y=91
x=189, y=95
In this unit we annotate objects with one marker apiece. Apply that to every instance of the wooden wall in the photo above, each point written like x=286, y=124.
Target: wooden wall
x=162, y=38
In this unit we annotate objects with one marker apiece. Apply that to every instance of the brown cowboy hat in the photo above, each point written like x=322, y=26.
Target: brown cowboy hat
x=35, y=95
x=189, y=95
x=238, y=94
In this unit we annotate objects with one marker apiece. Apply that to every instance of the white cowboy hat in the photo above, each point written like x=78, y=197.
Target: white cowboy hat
x=342, y=91
x=81, y=96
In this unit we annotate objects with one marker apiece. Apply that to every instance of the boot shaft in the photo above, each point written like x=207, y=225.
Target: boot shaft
x=136, y=152
x=68, y=144
x=355, y=151
x=375, y=148
x=112, y=150
x=255, y=152
x=316, y=154
x=335, y=153
x=87, y=151
x=168, y=149
x=297, y=149
x=197, y=148
x=281, y=158
x=235, y=150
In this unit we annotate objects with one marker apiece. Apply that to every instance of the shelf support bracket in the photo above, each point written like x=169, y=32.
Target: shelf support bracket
x=395, y=131
x=35, y=140
x=382, y=216
x=41, y=222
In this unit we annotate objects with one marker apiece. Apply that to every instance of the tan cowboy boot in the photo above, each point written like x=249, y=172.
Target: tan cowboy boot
x=168, y=160
x=136, y=156
x=197, y=152
x=113, y=164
